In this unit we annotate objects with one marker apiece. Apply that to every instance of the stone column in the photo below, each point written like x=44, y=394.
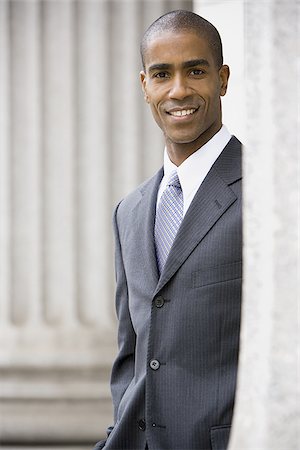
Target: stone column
x=75, y=137
x=267, y=406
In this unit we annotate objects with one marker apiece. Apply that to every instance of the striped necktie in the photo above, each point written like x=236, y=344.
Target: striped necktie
x=169, y=215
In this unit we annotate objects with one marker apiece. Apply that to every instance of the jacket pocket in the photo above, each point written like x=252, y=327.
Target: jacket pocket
x=219, y=437
x=218, y=274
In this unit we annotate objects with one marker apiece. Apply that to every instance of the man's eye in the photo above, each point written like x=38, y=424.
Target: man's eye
x=161, y=75
x=197, y=72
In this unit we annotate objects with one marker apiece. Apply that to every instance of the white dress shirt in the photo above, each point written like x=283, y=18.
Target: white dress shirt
x=194, y=169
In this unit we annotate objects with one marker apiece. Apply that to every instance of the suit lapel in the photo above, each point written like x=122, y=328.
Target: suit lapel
x=212, y=199
x=144, y=229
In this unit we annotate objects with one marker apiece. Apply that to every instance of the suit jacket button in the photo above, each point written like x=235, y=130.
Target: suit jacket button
x=142, y=424
x=159, y=302
x=154, y=364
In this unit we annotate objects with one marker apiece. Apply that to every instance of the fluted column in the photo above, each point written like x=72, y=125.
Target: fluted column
x=75, y=137
x=267, y=404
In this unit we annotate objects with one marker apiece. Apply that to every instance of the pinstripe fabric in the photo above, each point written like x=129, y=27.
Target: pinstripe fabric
x=168, y=219
x=187, y=319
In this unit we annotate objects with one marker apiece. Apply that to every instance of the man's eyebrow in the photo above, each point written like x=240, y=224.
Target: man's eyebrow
x=185, y=65
x=160, y=66
x=195, y=62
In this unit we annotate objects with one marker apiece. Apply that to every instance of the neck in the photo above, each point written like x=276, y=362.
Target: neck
x=179, y=152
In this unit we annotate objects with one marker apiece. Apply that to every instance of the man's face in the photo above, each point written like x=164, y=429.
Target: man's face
x=183, y=86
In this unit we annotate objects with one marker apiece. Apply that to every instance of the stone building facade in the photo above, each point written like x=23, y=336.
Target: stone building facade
x=75, y=136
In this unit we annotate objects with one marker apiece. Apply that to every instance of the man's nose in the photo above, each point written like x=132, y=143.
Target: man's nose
x=179, y=88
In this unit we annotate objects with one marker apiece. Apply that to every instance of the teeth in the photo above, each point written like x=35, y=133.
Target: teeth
x=184, y=112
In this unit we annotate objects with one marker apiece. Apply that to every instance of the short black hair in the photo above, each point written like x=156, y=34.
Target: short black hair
x=181, y=20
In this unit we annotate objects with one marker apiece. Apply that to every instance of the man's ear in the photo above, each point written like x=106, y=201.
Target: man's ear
x=143, y=83
x=224, y=74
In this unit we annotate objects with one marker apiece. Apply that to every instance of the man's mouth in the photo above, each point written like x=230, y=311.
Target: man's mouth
x=182, y=112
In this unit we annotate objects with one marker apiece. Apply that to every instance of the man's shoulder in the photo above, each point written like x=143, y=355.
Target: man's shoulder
x=130, y=200
x=235, y=141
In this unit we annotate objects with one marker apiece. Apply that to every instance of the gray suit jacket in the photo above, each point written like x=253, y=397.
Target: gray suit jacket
x=173, y=382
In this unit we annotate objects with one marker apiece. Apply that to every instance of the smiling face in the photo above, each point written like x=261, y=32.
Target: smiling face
x=183, y=85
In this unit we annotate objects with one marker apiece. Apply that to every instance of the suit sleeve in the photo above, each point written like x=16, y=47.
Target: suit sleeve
x=123, y=368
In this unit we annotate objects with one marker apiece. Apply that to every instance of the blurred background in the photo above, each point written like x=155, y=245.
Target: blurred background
x=75, y=137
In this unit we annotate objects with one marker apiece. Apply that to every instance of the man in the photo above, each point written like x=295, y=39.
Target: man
x=178, y=255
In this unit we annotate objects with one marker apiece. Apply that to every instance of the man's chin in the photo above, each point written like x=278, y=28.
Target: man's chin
x=183, y=139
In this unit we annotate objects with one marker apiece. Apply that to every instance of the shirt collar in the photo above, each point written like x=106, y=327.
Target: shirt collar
x=195, y=167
